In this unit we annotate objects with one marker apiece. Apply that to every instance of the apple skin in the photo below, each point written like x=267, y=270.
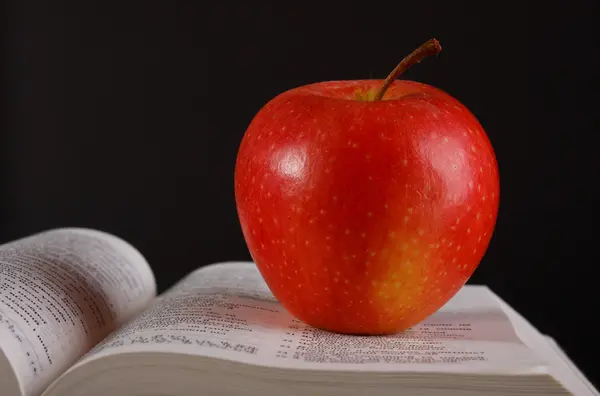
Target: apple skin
x=366, y=217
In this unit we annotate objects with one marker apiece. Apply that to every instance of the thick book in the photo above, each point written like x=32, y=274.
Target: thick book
x=79, y=316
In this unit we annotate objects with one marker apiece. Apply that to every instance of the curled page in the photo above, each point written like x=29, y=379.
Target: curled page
x=61, y=292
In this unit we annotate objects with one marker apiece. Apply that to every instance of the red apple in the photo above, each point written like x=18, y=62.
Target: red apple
x=366, y=205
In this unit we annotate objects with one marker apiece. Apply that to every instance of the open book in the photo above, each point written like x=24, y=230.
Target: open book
x=79, y=316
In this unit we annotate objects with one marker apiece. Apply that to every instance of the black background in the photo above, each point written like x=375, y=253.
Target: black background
x=127, y=117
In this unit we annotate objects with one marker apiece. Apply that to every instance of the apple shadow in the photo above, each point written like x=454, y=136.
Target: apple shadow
x=472, y=326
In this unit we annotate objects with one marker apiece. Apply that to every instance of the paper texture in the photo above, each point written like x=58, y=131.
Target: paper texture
x=61, y=292
x=227, y=311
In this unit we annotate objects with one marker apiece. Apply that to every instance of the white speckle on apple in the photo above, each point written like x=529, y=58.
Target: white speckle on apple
x=458, y=248
x=327, y=237
x=373, y=254
x=465, y=133
x=445, y=140
x=327, y=170
x=444, y=273
x=370, y=177
x=306, y=242
x=421, y=232
x=479, y=187
x=406, y=218
x=404, y=162
x=450, y=244
x=493, y=195
x=369, y=214
x=471, y=184
x=468, y=230
x=473, y=149
x=391, y=234
x=335, y=198
x=478, y=215
x=453, y=260
x=409, y=210
x=483, y=198
x=347, y=231
x=479, y=239
x=363, y=235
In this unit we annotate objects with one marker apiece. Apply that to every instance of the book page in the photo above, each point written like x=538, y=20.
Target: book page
x=227, y=311
x=560, y=366
x=61, y=292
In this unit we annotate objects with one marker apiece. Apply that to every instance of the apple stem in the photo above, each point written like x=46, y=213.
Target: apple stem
x=431, y=47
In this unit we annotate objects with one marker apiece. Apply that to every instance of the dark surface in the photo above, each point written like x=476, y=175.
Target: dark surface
x=128, y=117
